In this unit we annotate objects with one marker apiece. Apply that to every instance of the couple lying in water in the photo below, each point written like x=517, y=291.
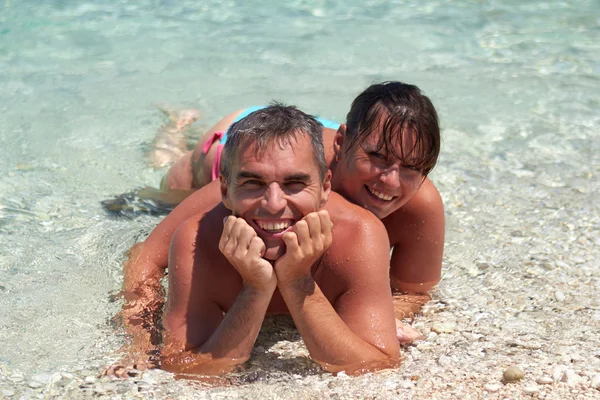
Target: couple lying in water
x=297, y=218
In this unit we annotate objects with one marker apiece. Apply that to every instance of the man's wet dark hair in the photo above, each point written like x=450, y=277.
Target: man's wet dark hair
x=276, y=122
x=407, y=109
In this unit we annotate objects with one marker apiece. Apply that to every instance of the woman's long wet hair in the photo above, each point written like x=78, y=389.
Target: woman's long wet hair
x=405, y=109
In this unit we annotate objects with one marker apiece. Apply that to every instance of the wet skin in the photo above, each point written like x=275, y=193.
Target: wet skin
x=274, y=246
x=414, y=217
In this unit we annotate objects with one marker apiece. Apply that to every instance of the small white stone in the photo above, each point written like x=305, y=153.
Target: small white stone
x=8, y=392
x=444, y=361
x=406, y=384
x=492, y=387
x=34, y=384
x=67, y=375
x=444, y=328
x=90, y=379
x=559, y=296
x=42, y=378
x=561, y=264
x=148, y=379
x=545, y=380
x=557, y=374
x=99, y=390
x=424, y=346
x=472, y=336
x=571, y=378
x=596, y=381
x=531, y=389
x=390, y=384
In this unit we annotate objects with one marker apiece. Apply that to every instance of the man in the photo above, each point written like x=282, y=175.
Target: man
x=280, y=242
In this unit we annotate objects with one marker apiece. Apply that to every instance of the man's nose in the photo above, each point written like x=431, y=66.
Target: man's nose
x=274, y=199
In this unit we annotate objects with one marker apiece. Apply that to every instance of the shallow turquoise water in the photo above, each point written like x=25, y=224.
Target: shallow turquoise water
x=516, y=86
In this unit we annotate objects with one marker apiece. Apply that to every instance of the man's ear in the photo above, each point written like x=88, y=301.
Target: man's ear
x=326, y=188
x=224, y=191
x=338, y=141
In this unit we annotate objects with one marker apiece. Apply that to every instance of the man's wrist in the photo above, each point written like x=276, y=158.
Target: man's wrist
x=302, y=283
x=260, y=289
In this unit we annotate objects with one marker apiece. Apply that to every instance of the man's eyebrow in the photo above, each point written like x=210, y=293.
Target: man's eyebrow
x=298, y=177
x=247, y=174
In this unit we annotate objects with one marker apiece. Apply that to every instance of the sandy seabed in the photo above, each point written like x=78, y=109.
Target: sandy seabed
x=529, y=300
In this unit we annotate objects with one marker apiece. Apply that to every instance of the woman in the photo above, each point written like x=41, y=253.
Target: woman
x=380, y=159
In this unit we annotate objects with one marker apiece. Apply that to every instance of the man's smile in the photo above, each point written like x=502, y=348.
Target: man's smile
x=274, y=226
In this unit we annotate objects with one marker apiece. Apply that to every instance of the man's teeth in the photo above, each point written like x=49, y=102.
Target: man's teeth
x=382, y=196
x=271, y=226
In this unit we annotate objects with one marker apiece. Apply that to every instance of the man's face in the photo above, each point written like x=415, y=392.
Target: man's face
x=274, y=188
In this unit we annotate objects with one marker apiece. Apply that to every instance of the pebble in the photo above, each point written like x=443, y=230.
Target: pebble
x=444, y=361
x=424, y=346
x=571, y=378
x=513, y=374
x=444, y=328
x=8, y=392
x=90, y=379
x=558, y=373
x=561, y=264
x=42, y=378
x=17, y=377
x=531, y=389
x=492, y=387
x=67, y=375
x=34, y=384
x=545, y=380
x=99, y=390
x=559, y=296
x=596, y=381
x=472, y=336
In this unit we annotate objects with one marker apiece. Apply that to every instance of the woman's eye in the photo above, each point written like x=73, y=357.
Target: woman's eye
x=377, y=155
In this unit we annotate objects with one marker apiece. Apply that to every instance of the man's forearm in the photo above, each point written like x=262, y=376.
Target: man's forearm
x=328, y=339
x=230, y=344
x=144, y=298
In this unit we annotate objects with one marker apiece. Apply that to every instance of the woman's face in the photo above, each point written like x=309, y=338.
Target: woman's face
x=372, y=177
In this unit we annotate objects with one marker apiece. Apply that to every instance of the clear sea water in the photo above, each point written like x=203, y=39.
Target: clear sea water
x=516, y=85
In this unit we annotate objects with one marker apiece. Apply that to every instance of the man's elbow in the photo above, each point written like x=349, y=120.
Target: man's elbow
x=190, y=362
x=412, y=287
x=379, y=361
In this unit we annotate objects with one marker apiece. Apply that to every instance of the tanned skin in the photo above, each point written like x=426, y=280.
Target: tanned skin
x=415, y=230
x=328, y=270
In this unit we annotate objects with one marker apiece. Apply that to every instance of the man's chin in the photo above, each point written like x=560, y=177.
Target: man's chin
x=273, y=253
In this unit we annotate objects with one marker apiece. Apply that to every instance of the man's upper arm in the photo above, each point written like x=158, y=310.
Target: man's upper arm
x=365, y=304
x=201, y=201
x=417, y=231
x=191, y=316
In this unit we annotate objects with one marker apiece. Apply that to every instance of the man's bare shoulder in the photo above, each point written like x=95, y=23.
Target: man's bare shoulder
x=346, y=214
x=204, y=228
x=356, y=231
